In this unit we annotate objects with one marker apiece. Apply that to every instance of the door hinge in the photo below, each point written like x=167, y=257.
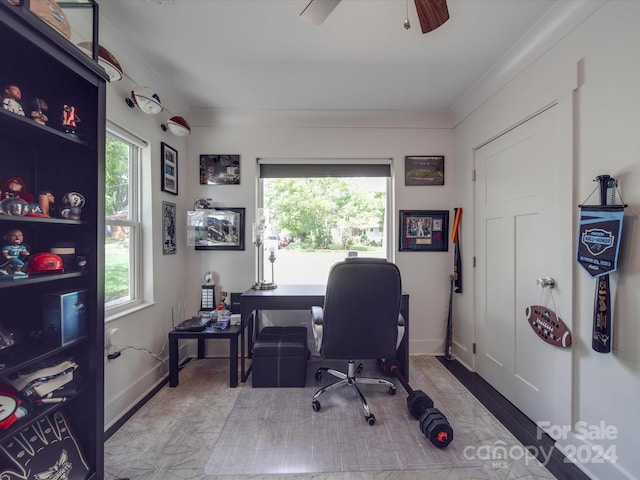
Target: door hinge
x=474, y=348
x=473, y=175
x=474, y=262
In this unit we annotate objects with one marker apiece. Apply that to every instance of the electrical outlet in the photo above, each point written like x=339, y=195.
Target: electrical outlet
x=108, y=337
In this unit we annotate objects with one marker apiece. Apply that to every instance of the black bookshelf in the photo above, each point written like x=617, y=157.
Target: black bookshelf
x=46, y=65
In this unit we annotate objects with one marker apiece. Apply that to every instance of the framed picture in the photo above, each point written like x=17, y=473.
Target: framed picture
x=169, y=169
x=169, y=246
x=219, y=169
x=424, y=230
x=216, y=229
x=427, y=170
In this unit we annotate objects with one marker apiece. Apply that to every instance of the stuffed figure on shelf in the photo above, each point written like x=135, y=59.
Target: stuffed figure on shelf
x=14, y=254
x=11, y=99
x=15, y=187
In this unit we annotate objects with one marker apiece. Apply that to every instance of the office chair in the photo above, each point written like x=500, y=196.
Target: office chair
x=359, y=320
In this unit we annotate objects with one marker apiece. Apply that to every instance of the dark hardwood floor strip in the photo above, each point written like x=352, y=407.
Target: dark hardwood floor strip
x=515, y=421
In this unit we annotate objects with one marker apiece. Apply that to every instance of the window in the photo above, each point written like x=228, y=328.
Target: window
x=320, y=212
x=122, y=226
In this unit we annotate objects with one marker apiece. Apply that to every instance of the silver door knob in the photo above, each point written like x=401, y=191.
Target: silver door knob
x=546, y=282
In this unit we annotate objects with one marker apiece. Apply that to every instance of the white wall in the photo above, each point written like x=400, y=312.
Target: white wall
x=425, y=275
x=129, y=377
x=601, y=56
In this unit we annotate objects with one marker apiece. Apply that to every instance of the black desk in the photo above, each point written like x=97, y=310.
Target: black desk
x=232, y=333
x=303, y=297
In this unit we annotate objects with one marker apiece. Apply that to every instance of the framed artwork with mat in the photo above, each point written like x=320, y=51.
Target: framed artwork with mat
x=169, y=169
x=424, y=231
x=425, y=170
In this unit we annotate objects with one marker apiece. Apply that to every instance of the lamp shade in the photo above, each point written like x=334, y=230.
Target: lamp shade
x=106, y=60
x=178, y=126
x=146, y=99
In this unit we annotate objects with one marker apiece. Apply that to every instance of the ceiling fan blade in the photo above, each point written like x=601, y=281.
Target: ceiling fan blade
x=432, y=14
x=318, y=10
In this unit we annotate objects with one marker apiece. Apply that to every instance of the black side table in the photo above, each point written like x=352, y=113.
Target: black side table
x=232, y=333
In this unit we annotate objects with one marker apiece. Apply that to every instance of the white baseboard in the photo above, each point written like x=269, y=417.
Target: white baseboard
x=116, y=407
x=426, y=347
x=590, y=461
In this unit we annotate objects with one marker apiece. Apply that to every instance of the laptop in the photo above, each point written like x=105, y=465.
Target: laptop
x=193, y=324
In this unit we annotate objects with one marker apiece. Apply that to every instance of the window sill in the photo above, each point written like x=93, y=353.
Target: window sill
x=109, y=317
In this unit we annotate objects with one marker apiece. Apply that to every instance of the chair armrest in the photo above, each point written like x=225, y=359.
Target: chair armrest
x=400, y=330
x=317, y=314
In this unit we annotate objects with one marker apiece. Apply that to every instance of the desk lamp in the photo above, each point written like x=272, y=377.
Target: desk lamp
x=258, y=229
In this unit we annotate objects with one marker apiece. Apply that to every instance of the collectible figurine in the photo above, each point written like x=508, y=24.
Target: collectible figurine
x=39, y=109
x=223, y=299
x=74, y=199
x=15, y=187
x=70, y=119
x=72, y=204
x=14, y=253
x=11, y=99
x=46, y=202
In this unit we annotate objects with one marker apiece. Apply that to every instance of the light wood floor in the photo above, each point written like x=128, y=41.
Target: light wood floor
x=174, y=434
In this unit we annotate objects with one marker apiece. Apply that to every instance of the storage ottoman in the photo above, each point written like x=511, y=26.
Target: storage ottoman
x=280, y=357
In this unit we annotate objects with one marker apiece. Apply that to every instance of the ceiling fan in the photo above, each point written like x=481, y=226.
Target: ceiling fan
x=431, y=13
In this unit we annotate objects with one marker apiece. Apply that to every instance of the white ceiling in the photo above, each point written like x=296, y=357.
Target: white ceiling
x=260, y=55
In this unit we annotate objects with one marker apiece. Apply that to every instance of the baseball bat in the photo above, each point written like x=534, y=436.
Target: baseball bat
x=457, y=260
x=456, y=283
x=448, y=344
x=601, y=341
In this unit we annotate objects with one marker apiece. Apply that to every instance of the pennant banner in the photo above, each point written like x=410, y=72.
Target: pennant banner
x=599, y=238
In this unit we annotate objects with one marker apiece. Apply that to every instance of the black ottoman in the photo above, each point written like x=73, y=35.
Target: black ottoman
x=280, y=357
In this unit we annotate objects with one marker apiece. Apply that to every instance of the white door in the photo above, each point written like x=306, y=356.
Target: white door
x=523, y=189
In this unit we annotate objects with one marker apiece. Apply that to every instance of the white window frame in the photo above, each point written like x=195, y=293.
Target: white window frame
x=133, y=222
x=328, y=163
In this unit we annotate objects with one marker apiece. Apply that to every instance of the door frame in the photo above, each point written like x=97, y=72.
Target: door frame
x=558, y=91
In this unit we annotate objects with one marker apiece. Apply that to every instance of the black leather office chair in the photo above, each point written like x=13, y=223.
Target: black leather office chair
x=359, y=321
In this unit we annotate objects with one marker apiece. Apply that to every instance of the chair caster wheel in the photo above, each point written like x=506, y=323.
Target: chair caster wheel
x=318, y=375
x=359, y=368
x=315, y=405
x=392, y=390
x=371, y=419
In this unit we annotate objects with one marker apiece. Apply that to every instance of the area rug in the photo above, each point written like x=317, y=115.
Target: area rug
x=276, y=431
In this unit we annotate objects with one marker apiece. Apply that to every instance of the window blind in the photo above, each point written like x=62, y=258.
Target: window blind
x=323, y=168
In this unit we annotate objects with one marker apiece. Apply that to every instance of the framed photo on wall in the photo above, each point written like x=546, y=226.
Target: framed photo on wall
x=169, y=168
x=219, y=169
x=216, y=229
x=427, y=170
x=169, y=246
x=424, y=230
